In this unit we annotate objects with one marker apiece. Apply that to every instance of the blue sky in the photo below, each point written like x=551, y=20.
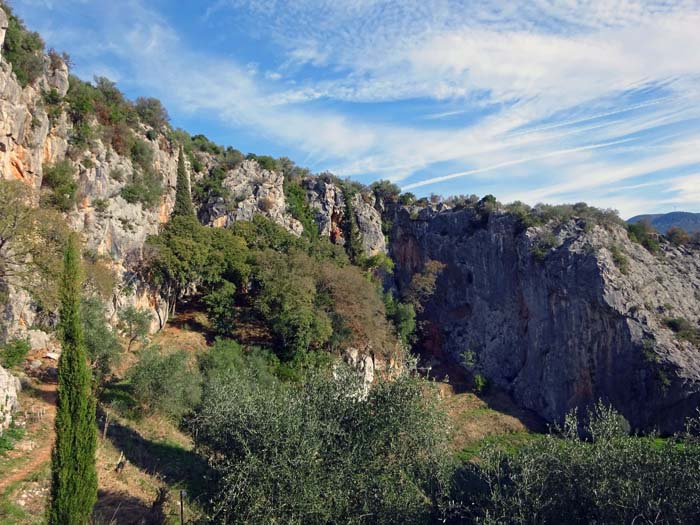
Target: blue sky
x=540, y=101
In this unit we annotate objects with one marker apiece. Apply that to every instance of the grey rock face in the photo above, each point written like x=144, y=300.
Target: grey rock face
x=328, y=201
x=253, y=190
x=111, y=226
x=563, y=329
x=9, y=389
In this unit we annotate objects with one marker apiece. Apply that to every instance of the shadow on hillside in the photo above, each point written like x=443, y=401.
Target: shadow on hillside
x=46, y=395
x=462, y=381
x=177, y=466
x=115, y=507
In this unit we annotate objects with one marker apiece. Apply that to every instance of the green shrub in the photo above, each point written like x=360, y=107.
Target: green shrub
x=385, y=190
x=103, y=348
x=545, y=242
x=610, y=477
x=315, y=453
x=203, y=144
x=644, y=234
x=678, y=236
x=210, y=186
x=684, y=329
x=351, y=233
x=146, y=188
x=60, y=179
x=480, y=383
x=9, y=438
x=14, y=352
x=164, y=383
x=407, y=199
x=299, y=207
x=264, y=161
x=100, y=205
x=152, y=112
x=403, y=316
x=23, y=49
x=197, y=165
x=620, y=260
x=220, y=306
x=118, y=174
x=134, y=324
x=142, y=154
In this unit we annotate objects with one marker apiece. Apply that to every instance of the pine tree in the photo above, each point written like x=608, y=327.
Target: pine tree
x=74, y=477
x=183, y=200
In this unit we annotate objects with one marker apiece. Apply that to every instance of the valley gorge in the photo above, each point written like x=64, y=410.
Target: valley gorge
x=545, y=312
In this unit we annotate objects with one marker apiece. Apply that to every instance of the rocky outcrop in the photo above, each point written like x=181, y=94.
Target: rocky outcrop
x=111, y=227
x=557, y=324
x=328, y=202
x=251, y=190
x=9, y=389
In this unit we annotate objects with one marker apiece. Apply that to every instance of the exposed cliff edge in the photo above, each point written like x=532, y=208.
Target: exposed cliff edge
x=559, y=326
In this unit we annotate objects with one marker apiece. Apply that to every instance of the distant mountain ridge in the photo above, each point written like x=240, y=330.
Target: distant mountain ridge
x=690, y=222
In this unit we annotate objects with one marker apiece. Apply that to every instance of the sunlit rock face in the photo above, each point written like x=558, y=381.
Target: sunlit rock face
x=9, y=389
x=563, y=327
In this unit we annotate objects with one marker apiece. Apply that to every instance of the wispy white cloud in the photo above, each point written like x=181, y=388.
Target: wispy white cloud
x=573, y=96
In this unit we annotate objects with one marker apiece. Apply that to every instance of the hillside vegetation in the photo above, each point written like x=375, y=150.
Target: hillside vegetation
x=290, y=379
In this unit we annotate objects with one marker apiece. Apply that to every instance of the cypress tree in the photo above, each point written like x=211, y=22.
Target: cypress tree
x=351, y=233
x=183, y=199
x=74, y=477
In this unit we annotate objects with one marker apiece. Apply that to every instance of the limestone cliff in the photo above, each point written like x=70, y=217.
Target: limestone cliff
x=558, y=325
x=113, y=228
x=9, y=388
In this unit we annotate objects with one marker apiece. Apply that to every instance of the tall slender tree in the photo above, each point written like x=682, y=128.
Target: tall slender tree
x=183, y=199
x=74, y=477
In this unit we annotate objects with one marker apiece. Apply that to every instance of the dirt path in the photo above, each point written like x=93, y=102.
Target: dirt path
x=40, y=409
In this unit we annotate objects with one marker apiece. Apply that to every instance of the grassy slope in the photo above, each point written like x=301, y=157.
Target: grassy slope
x=159, y=455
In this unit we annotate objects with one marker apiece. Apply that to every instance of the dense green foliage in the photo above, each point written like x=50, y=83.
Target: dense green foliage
x=299, y=207
x=164, y=382
x=152, y=112
x=210, y=186
x=311, y=304
x=13, y=352
x=385, y=190
x=302, y=289
x=9, y=438
x=316, y=453
x=220, y=306
x=23, y=49
x=73, y=474
x=611, y=477
x=31, y=243
x=403, y=315
x=644, y=234
x=183, y=199
x=59, y=178
x=351, y=233
x=265, y=161
x=187, y=253
x=134, y=324
x=145, y=187
x=103, y=348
